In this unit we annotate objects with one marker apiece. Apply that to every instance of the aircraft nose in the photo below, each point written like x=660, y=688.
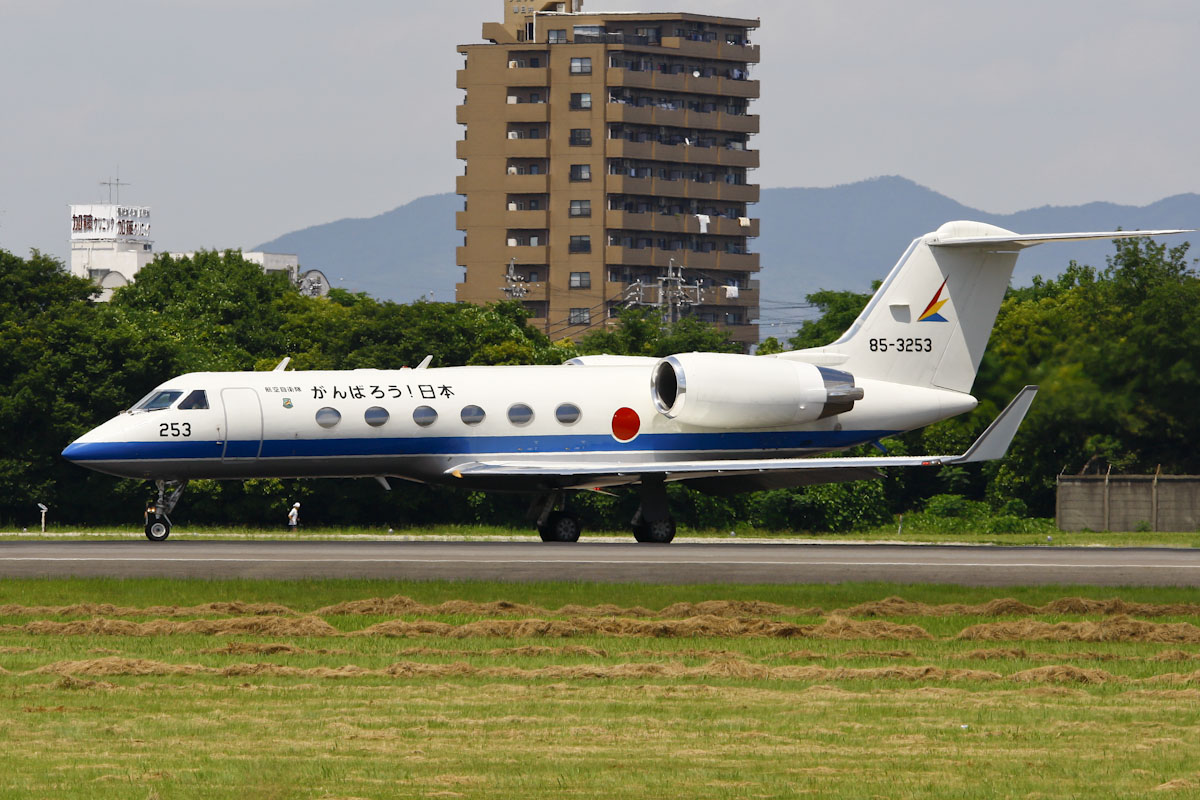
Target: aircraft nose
x=71, y=452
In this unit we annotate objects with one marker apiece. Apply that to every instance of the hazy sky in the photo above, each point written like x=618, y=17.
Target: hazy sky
x=239, y=121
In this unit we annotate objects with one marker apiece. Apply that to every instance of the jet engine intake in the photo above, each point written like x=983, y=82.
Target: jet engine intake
x=725, y=390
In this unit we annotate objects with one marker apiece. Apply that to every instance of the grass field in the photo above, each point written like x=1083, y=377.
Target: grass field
x=345, y=689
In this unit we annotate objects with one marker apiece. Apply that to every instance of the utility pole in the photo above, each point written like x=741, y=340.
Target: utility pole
x=514, y=287
x=674, y=294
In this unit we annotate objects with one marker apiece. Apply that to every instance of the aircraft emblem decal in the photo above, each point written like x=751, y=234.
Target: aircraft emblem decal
x=287, y=402
x=930, y=314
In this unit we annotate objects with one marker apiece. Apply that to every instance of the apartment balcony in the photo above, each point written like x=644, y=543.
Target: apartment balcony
x=746, y=53
x=527, y=219
x=527, y=112
x=527, y=148
x=681, y=153
x=677, y=223
x=527, y=254
x=525, y=76
x=737, y=193
x=526, y=184
x=680, y=118
x=657, y=257
x=684, y=82
x=717, y=296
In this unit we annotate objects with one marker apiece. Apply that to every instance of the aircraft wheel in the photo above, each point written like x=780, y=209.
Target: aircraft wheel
x=158, y=528
x=560, y=527
x=659, y=532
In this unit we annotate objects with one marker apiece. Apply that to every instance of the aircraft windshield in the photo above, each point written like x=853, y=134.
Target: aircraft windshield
x=197, y=399
x=158, y=400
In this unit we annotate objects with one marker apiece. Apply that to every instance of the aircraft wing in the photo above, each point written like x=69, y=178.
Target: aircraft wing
x=992, y=444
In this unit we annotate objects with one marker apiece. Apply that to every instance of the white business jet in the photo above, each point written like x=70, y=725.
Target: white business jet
x=717, y=422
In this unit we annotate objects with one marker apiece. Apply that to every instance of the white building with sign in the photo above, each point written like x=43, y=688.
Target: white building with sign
x=110, y=242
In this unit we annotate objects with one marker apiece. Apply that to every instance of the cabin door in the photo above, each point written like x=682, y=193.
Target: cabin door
x=243, y=425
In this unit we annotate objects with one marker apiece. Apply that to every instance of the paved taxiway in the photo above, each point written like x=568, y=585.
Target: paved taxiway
x=723, y=562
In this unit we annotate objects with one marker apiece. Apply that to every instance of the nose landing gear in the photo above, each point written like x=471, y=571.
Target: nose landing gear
x=158, y=524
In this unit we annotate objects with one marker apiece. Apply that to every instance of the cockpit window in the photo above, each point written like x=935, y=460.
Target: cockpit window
x=197, y=399
x=158, y=400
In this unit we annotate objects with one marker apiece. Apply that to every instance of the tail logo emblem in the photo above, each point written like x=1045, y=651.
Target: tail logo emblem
x=930, y=314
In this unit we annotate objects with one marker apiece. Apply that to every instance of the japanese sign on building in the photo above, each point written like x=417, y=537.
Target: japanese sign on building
x=97, y=221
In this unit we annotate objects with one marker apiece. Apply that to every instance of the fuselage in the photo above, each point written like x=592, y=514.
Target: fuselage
x=417, y=424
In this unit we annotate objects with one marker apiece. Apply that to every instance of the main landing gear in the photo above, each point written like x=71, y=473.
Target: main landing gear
x=556, y=524
x=158, y=524
x=652, y=523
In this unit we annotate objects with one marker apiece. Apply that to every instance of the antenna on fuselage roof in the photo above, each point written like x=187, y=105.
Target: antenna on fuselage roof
x=282, y=365
x=425, y=361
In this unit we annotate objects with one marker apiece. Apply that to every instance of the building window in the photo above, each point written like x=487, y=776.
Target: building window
x=580, y=244
x=581, y=100
x=581, y=66
x=581, y=172
x=580, y=316
x=581, y=137
x=581, y=208
x=581, y=280
x=556, y=37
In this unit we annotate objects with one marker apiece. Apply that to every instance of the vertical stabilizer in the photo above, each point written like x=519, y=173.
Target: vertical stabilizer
x=930, y=320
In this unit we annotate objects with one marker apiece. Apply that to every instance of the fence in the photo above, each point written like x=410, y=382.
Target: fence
x=1128, y=502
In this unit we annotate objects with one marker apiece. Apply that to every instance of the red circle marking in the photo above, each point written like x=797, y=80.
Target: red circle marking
x=625, y=424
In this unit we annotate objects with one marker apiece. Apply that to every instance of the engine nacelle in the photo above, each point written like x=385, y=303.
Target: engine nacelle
x=725, y=390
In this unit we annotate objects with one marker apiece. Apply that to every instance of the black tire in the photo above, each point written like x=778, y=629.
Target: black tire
x=659, y=532
x=158, y=528
x=560, y=527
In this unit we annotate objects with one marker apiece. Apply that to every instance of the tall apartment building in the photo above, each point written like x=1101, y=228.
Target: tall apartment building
x=603, y=152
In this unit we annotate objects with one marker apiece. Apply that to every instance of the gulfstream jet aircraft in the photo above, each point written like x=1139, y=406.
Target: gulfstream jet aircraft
x=718, y=422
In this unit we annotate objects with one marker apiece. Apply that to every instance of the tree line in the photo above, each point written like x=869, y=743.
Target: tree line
x=1114, y=349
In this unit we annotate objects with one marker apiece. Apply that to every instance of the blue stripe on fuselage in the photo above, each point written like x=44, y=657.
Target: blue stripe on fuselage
x=466, y=445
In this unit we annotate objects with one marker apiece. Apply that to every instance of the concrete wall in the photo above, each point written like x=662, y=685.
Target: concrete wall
x=1127, y=502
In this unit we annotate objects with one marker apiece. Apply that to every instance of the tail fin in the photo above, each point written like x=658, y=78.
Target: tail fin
x=930, y=321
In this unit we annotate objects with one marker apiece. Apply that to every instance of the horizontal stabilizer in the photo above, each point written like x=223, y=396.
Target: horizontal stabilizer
x=992, y=444
x=1031, y=239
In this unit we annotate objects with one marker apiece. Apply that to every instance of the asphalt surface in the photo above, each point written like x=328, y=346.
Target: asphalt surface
x=715, y=562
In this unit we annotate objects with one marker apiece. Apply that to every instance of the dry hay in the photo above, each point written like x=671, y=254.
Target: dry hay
x=1009, y=607
x=693, y=627
x=228, y=609
x=899, y=607
x=1116, y=629
x=260, y=626
x=1064, y=673
x=270, y=649
x=400, y=605
x=853, y=654
x=1174, y=655
x=1179, y=784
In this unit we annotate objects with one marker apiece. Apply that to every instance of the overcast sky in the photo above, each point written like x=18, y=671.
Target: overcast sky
x=237, y=121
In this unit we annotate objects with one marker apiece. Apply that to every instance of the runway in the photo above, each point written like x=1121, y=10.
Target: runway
x=715, y=562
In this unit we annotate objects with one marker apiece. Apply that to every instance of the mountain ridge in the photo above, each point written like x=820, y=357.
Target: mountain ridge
x=838, y=237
